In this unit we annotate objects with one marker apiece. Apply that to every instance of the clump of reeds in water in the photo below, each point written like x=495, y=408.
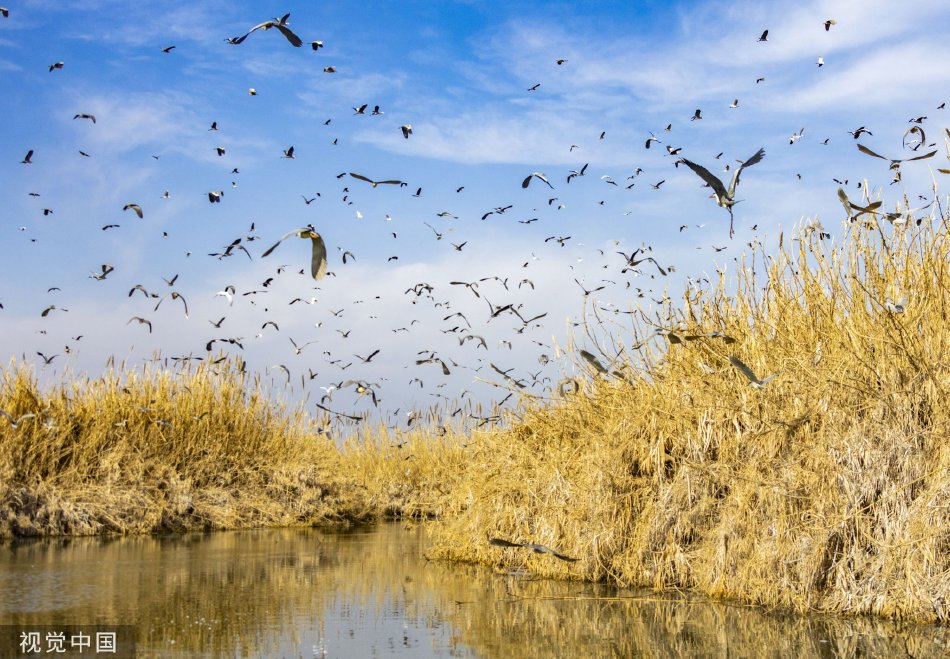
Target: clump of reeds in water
x=823, y=489
x=198, y=447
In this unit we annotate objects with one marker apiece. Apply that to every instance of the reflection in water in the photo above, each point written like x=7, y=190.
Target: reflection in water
x=369, y=592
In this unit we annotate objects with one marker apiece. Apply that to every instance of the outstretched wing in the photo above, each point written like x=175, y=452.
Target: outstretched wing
x=864, y=149
x=755, y=158
x=923, y=157
x=318, y=257
x=843, y=196
x=295, y=232
x=291, y=37
x=710, y=180
x=362, y=178
x=542, y=549
x=745, y=370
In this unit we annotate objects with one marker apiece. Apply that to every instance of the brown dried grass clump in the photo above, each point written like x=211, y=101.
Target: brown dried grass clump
x=160, y=450
x=826, y=489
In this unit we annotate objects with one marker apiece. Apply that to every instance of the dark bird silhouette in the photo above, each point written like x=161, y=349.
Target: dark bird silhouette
x=538, y=175
x=538, y=549
x=375, y=183
x=279, y=23
x=725, y=198
x=895, y=164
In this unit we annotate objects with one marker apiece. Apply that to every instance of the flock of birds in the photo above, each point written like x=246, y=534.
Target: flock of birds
x=457, y=318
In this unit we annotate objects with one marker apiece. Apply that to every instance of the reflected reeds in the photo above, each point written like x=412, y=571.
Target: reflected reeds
x=291, y=592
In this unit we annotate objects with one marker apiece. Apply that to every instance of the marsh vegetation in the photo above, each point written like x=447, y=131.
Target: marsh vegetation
x=822, y=487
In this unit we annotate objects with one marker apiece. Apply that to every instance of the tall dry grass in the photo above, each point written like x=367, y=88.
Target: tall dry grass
x=198, y=447
x=826, y=489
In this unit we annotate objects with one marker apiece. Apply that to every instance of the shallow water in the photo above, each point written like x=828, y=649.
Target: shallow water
x=370, y=593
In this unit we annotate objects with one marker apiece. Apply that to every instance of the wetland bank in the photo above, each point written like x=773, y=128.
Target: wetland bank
x=822, y=491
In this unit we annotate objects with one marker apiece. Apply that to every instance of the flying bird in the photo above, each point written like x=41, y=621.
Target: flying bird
x=142, y=321
x=406, y=130
x=375, y=183
x=3, y=413
x=279, y=23
x=753, y=379
x=765, y=36
x=895, y=164
x=28, y=158
x=91, y=117
x=56, y=65
x=318, y=257
x=536, y=548
x=134, y=207
x=538, y=175
x=725, y=198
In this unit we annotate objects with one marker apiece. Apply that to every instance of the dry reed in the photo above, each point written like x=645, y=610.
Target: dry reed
x=159, y=450
x=823, y=490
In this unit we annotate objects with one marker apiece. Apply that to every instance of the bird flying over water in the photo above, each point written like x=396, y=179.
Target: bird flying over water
x=725, y=198
x=536, y=548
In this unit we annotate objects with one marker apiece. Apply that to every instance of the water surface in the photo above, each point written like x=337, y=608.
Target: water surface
x=370, y=593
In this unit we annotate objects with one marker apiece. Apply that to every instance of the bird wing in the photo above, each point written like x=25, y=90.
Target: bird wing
x=755, y=158
x=710, y=180
x=389, y=182
x=295, y=232
x=542, y=549
x=842, y=195
x=291, y=37
x=745, y=370
x=923, y=157
x=525, y=183
x=178, y=296
x=318, y=256
x=864, y=149
x=593, y=361
x=362, y=178
x=498, y=542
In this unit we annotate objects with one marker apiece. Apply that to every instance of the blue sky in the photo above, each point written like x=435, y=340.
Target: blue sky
x=459, y=73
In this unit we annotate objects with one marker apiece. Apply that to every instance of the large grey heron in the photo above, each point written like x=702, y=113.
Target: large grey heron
x=725, y=198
